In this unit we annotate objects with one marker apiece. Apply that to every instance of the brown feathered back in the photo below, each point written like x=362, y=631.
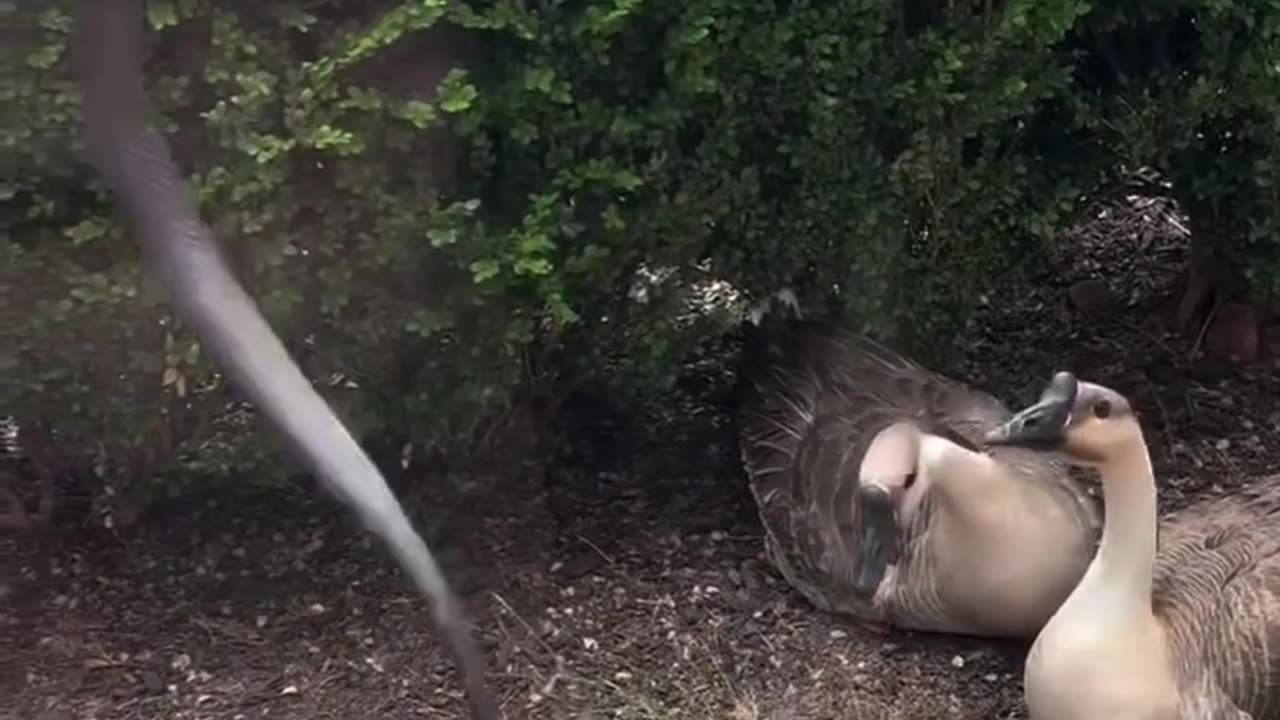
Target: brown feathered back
x=1216, y=587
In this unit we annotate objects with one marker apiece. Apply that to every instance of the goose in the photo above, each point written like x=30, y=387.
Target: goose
x=1191, y=632
x=876, y=502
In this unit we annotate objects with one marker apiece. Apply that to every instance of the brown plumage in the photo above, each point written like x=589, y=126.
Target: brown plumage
x=813, y=399
x=1176, y=620
x=1216, y=589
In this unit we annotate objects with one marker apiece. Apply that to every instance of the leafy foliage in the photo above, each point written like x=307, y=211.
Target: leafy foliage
x=1191, y=89
x=444, y=207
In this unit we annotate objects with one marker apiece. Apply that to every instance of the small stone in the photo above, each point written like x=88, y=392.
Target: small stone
x=152, y=682
x=580, y=565
x=1223, y=444
x=1091, y=295
x=289, y=690
x=957, y=662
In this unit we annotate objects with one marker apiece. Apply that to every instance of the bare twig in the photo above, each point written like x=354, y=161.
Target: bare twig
x=1204, y=329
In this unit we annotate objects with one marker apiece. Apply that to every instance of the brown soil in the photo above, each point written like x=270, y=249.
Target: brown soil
x=627, y=583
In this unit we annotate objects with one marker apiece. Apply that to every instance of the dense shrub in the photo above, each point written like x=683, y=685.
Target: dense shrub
x=444, y=208
x=1191, y=90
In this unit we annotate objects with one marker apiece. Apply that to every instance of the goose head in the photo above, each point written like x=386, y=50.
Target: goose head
x=891, y=484
x=1086, y=423
x=891, y=467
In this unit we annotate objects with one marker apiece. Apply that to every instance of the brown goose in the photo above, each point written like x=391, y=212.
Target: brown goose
x=1192, y=633
x=876, y=502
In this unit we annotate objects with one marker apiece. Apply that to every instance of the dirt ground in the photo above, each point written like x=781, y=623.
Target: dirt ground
x=627, y=583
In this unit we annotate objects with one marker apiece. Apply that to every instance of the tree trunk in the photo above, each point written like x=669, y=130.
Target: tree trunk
x=1204, y=270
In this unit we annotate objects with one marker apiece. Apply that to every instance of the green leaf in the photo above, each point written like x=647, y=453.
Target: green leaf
x=540, y=78
x=442, y=237
x=161, y=14
x=456, y=93
x=534, y=266
x=86, y=231
x=484, y=270
x=421, y=114
x=44, y=58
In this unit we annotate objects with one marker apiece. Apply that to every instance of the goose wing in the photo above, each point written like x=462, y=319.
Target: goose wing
x=1216, y=585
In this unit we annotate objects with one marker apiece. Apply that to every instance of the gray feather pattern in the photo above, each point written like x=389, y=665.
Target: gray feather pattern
x=1216, y=587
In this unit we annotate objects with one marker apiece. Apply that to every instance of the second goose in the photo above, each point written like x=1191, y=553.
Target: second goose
x=1190, y=633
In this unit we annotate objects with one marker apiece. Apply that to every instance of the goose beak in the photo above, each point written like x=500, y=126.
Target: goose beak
x=1043, y=425
x=879, y=538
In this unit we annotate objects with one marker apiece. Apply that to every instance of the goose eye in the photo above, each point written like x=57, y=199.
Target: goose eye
x=1102, y=409
x=911, y=480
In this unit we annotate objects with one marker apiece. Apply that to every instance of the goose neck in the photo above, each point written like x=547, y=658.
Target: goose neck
x=1123, y=566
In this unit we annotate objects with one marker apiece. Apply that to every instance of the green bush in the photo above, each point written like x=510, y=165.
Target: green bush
x=1191, y=89
x=444, y=208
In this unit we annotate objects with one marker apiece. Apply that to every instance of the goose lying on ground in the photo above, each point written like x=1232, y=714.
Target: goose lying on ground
x=1192, y=633
x=876, y=503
